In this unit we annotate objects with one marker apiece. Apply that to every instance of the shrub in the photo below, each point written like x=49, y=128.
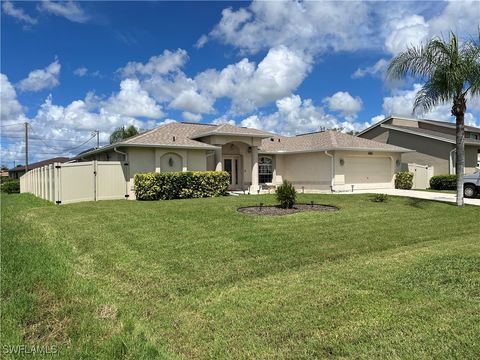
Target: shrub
x=380, y=198
x=11, y=187
x=404, y=180
x=286, y=195
x=443, y=182
x=180, y=185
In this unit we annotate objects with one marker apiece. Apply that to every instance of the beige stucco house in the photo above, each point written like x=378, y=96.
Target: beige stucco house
x=433, y=142
x=256, y=159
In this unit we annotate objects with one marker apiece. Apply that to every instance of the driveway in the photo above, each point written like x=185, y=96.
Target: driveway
x=427, y=195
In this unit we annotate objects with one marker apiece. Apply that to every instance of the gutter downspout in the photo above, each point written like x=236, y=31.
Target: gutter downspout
x=450, y=160
x=127, y=177
x=332, y=171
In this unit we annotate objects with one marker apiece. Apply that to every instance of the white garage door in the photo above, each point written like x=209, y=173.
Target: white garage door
x=367, y=170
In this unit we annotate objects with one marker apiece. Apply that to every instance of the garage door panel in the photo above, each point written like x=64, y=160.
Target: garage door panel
x=366, y=170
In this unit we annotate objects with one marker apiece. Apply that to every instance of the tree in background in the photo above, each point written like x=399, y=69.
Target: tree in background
x=121, y=133
x=451, y=72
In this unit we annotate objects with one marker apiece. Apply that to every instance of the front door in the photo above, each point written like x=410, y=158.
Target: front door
x=231, y=164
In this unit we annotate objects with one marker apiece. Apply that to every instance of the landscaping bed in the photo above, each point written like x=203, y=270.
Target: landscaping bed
x=276, y=210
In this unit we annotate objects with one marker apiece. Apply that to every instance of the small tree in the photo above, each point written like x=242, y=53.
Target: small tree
x=121, y=134
x=451, y=72
x=286, y=195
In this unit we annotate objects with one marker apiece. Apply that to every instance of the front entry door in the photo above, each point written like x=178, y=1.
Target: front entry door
x=231, y=165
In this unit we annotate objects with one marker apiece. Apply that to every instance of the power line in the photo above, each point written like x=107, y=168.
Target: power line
x=57, y=148
x=17, y=124
x=36, y=138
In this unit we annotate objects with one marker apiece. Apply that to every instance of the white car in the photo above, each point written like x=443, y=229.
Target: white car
x=471, y=185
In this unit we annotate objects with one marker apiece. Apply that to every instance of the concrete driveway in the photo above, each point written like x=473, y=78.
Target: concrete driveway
x=427, y=195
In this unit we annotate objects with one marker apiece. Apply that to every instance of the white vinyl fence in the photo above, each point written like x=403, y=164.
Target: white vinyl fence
x=76, y=182
x=421, y=175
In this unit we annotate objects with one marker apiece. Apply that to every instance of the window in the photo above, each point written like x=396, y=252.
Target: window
x=265, y=169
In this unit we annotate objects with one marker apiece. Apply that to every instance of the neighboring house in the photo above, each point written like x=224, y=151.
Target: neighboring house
x=256, y=159
x=433, y=142
x=17, y=172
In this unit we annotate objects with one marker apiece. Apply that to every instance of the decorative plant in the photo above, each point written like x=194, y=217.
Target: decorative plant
x=286, y=195
x=404, y=180
x=380, y=198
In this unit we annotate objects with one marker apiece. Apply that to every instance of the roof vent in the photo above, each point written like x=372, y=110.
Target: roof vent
x=174, y=138
x=272, y=139
x=278, y=139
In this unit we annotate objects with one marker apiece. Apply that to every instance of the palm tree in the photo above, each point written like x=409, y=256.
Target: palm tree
x=121, y=133
x=451, y=72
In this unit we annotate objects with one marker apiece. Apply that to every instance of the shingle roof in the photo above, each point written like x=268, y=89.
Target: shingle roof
x=450, y=138
x=183, y=135
x=172, y=134
x=60, y=159
x=321, y=141
x=227, y=129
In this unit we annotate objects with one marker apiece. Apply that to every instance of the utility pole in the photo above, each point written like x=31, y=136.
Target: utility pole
x=97, y=134
x=26, y=147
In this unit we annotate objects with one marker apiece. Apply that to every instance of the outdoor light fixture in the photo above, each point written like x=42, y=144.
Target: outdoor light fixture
x=249, y=149
x=342, y=162
x=397, y=163
x=170, y=162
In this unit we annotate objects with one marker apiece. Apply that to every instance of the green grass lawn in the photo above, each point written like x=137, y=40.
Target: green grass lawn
x=196, y=279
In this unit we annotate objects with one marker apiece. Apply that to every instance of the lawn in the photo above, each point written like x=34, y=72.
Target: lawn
x=196, y=279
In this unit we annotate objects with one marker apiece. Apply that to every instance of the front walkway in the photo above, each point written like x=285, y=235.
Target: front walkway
x=427, y=195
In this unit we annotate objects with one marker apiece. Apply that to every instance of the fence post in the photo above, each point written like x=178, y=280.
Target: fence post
x=95, y=182
x=51, y=196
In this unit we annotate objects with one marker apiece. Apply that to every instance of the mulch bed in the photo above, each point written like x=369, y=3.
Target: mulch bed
x=269, y=210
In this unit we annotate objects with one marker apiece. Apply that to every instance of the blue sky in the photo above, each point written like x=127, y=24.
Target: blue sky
x=69, y=68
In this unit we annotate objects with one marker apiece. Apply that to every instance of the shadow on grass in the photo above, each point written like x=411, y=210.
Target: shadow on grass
x=423, y=203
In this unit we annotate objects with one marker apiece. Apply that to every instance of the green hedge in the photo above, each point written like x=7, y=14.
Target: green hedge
x=404, y=180
x=443, y=182
x=180, y=185
x=11, y=187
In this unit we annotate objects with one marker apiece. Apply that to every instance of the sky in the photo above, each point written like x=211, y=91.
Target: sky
x=69, y=68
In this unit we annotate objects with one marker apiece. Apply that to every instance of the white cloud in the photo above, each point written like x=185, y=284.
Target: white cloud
x=81, y=71
x=313, y=26
x=202, y=40
x=249, y=86
x=401, y=102
x=67, y=9
x=406, y=32
x=192, y=101
x=296, y=116
x=41, y=78
x=377, y=69
x=133, y=101
x=188, y=116
x=17, y=13
x=345, y=104
x=10, y=109
x=168, y=62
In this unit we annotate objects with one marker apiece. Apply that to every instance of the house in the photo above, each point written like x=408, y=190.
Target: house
x=257, y=159
x=17, y=172
x=433, y=142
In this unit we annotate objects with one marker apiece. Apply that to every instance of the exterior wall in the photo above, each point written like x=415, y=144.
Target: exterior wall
x=197, y=160
x=471, y=159
x=150, y=159
x=403, y=122
x=430, y=152
x=363, y=177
